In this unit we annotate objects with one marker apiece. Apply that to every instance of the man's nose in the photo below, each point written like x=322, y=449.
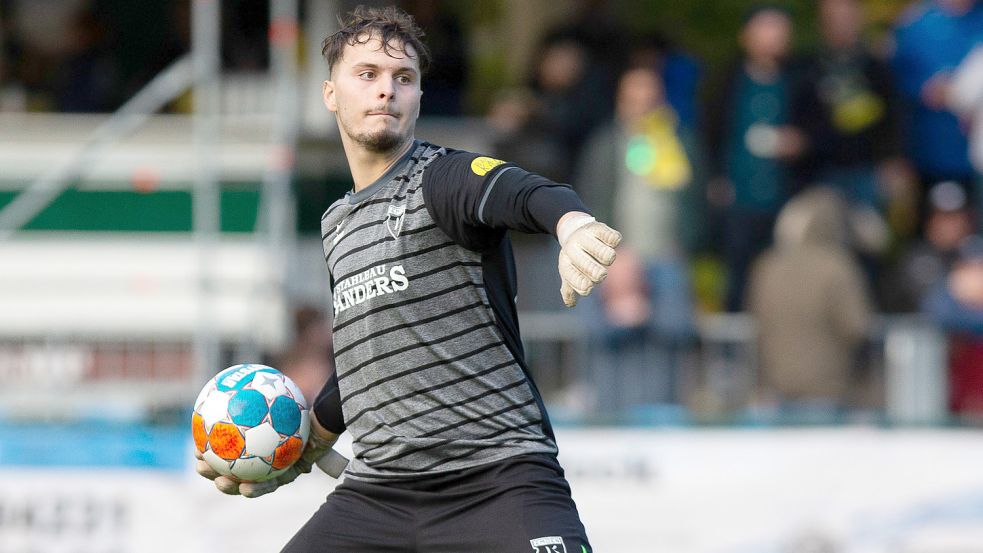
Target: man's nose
x=386, y=89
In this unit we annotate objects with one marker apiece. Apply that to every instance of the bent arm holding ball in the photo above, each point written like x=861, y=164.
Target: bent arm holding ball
x=317, y=451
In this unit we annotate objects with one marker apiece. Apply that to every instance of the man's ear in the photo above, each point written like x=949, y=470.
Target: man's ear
x=327, y=93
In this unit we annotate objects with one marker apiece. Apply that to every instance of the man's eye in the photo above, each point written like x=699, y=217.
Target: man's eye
x=404, y=79
x=366, y=74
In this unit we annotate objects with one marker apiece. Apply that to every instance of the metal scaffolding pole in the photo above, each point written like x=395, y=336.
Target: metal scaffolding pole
x=278, y=214
x=205, y=44
x=276, y=217
x=321, y=19
x=2, y=56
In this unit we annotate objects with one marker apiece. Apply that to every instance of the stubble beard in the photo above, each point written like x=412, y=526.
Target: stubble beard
x=379, y=142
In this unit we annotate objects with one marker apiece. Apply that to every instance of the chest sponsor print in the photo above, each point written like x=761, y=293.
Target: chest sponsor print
x=377, y=281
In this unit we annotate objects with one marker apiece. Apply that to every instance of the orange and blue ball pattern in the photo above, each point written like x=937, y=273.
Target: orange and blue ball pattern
x=250, y=421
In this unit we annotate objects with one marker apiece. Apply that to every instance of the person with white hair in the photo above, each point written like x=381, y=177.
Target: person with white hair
x=966, y=100
x=808, y=296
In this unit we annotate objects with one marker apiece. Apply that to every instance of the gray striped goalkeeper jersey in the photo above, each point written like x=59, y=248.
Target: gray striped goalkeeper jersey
x=427, y=381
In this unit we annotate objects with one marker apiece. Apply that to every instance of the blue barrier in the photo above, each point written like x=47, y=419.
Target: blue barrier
x=94, y=445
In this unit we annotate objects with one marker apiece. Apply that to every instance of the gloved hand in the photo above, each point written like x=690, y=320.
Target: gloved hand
x=317, y=451
x=586, y=251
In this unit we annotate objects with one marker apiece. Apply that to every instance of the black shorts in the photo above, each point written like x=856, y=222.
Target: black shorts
x=519, y=505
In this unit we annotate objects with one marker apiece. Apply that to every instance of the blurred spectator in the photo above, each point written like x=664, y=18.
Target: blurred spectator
x=956, y=304
x=807, y=295
x=67, y=55
x=848, y=110
x=309, y=361
x=520, y=138
x=446, y=79
x=545, y=129
x=966, y=100
x=933, y=38
x=752, y=143
x=245, y=34
x=175, y=28
x=86, y=81
x=571, y=95
x=12, y=94
x=638, y=171
x=927, y=262
x=641, y=171
x=680, y=73
x=594, y=25
x=36, y=37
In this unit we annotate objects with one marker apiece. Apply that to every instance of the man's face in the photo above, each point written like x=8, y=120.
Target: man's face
x=639, y=92
x=375, y=94
x=841, y=22
x=947, y=229
x=767, y=35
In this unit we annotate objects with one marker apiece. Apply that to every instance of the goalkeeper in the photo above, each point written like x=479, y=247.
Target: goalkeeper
x=453, y=448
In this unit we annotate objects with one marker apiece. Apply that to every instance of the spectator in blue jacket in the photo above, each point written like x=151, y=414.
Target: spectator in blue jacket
x=933, y=37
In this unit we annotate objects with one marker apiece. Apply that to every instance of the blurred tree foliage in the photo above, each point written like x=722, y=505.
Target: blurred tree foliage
x=706, y=29
x=709, y=29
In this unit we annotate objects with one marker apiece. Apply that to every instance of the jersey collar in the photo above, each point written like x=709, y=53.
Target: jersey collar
x=370, y=190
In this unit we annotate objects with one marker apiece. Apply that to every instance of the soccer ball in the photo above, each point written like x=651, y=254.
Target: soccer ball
x=250, y=422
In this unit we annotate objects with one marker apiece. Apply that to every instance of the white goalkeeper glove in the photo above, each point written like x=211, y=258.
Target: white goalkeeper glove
x=318, y=451
x=586, y=251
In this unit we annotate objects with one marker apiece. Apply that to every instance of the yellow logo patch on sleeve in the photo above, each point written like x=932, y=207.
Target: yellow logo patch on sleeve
x=481, y=165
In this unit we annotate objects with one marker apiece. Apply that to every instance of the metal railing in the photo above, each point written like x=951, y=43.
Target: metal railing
x=905, y=356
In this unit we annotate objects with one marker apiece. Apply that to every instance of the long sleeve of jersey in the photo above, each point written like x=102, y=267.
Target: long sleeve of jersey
x=475, y=199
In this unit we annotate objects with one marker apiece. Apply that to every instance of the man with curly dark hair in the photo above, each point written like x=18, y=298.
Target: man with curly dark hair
x=453, y=448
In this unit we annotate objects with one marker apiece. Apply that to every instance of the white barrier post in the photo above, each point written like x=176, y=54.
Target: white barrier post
x=916, y=385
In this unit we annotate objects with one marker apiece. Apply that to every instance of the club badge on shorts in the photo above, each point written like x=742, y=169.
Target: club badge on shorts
x=548, y=544
x=394, y=219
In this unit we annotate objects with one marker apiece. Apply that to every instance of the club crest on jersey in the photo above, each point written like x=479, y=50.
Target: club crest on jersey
x=338, y=233
x=548, y=544
x=394, y=219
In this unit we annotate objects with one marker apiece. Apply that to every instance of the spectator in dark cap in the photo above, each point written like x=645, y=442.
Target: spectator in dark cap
x=948, y=223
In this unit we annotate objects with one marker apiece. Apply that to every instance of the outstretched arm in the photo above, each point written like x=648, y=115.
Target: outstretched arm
x=476, y=206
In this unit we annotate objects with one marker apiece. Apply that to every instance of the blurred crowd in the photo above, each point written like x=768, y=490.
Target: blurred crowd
x=66, y=56
x=830, y=186
x=813, y=190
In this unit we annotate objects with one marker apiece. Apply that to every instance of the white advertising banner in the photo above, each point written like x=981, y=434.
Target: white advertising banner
x=682, y=491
